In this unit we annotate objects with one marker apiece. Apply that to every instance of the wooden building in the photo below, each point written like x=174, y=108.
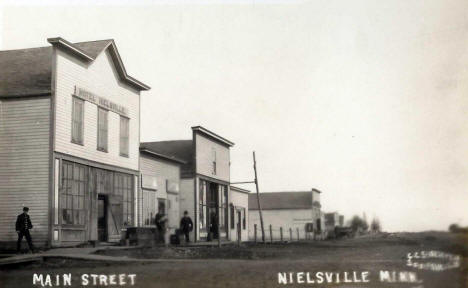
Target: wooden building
x=69, y=142
x=205, y=178
x=295, y=210
x=332, y=220
x=239, y=213
x=160, y=182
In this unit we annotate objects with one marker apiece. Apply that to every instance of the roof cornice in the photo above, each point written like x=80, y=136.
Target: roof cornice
x=70, y=47
x=215, y=136
x=62, y=43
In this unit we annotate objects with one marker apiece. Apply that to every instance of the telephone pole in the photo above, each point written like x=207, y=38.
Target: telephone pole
x=258, y=199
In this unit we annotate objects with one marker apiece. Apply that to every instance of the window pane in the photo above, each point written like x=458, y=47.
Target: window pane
x=69, y=202
x=102, y=129
x=76, y=216
x=63, y=201
x=124, y=135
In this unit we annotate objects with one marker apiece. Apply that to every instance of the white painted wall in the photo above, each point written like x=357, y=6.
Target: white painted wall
x=100, y=78
x=204, y=158
x=239, y=200
x=186, y=201
x=163, y=171
x=286, y=218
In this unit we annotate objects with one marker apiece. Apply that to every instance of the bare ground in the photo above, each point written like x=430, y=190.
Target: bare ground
x=258, y=265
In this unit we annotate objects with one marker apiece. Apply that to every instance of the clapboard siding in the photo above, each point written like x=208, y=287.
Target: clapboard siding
x=205, y=149
x=24, y=169
x=187, y=201
x=240, y=200
x=100, y=78
x=163, y=170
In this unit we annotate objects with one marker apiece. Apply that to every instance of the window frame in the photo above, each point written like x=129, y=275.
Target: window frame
x=202, y=205
x=79, y=141
x=69, y=193
x=213, y=167
x=98, y=143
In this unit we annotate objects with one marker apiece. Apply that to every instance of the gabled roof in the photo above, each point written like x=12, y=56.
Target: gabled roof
x=28, y=72
x=282, y=200
x=175, y=149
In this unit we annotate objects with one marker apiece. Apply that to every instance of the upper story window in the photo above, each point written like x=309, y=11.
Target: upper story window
x=124, y=135
x=77, y=120
x=102, y=129
x=213, y=167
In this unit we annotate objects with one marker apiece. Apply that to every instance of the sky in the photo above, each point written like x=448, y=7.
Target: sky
x=366, y=101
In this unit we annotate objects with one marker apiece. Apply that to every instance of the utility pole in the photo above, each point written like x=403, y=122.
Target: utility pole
x=258, y=199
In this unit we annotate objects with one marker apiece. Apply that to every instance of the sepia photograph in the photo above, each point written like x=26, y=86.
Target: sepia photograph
x=234, y=143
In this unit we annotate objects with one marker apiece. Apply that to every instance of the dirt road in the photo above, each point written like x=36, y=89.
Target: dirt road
x=261, y=265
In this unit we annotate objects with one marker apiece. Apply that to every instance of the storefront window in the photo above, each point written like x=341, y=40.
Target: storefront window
x=73, y=193
x=222, y=190
x=123, y=186
x=202, y=204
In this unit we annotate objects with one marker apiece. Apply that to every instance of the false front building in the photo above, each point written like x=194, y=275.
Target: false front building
x=204, y=183
x=69, y=142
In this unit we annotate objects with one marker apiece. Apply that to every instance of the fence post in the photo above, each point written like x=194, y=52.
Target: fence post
x=297, y=230
x=281, y=233
x=255, y=233
x=290, y=234
x=271, y=235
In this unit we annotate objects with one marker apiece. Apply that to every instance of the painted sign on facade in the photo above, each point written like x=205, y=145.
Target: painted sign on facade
x=100, y=101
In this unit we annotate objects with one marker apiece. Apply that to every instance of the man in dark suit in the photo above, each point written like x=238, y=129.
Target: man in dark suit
x=186, y=225
x=23, y=224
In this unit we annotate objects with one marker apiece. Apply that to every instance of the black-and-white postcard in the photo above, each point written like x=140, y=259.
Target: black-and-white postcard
x=234, y=143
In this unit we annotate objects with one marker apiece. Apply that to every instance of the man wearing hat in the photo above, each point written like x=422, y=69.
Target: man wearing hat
x=23, y=224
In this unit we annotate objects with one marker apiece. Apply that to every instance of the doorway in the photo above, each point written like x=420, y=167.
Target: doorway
x=239, y=224
x=212, y=211
x=102, y=218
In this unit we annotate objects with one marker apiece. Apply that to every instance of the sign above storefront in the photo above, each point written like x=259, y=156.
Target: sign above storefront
x=172, y=186
x=149, y=182
x=100, y=101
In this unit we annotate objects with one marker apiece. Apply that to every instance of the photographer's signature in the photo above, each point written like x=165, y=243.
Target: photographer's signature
x=432, y=260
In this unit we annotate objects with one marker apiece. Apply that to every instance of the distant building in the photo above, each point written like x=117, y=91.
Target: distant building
x=69, y=138
x=341, y=221
x=294, y=209
x=332, y=220
x=205, y=180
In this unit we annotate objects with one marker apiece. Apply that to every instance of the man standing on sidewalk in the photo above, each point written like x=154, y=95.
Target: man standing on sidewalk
x=23, y=224
x=186, y=225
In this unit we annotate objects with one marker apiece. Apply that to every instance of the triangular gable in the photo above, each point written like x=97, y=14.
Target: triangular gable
x=88, y=52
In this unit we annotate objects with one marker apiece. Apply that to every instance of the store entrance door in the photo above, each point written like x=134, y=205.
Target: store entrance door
x=102, y=218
